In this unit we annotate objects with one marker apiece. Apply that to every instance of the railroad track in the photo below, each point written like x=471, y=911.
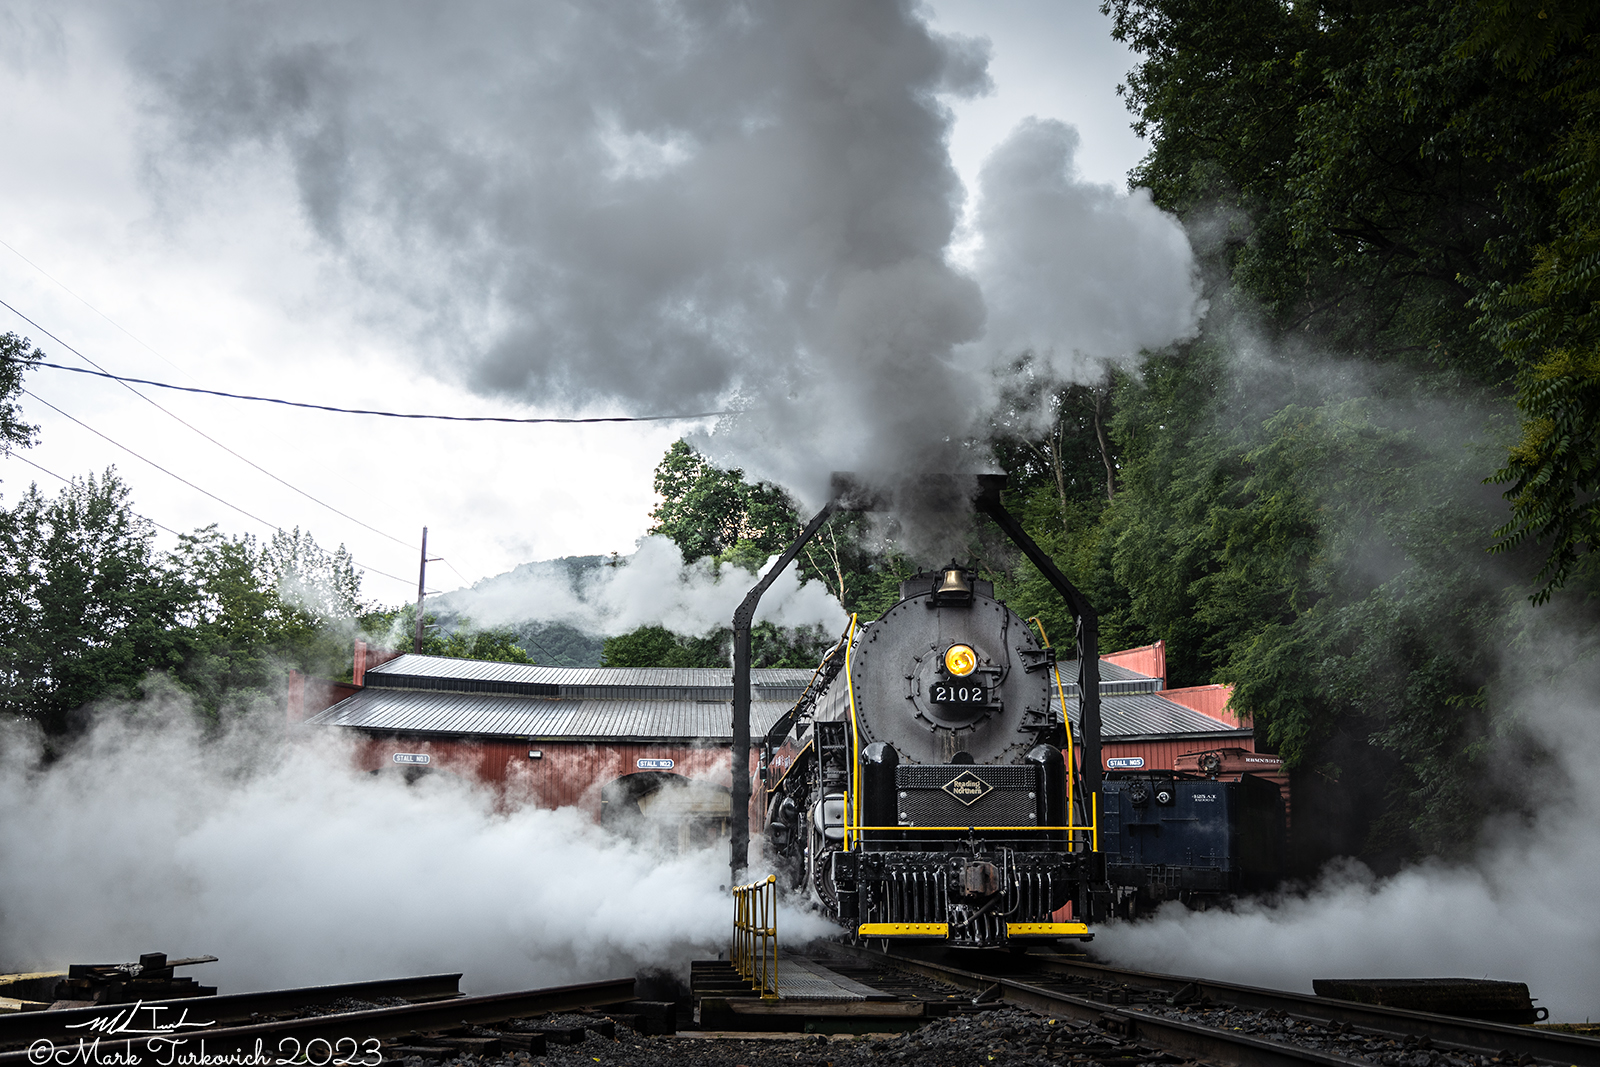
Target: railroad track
x=19, y=1030
x=317, y=1014
x=1223, y=1023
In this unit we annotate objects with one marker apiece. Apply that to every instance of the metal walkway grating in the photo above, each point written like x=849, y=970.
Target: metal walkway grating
x=804, y=980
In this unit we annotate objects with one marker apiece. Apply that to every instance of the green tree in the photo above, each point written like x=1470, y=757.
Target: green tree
x=1391, y=206
x=1048, y=435
x=1323, y=554
x=16, y=357
x=707, y=511
x=656, y=646
x=711, y=512
x=1548, y=322
x=455, y=637
x=1358, y=172
x=257, y=609
x=325, y=585
x=495, y=644
x=87, y=608
x=241, y=630
x=770, y=646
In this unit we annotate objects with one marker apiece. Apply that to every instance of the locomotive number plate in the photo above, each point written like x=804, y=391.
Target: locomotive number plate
x=958, y=693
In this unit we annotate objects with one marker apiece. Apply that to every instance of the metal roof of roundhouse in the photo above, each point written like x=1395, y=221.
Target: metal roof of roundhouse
x=435, y=694
x=1142, y=715
x=1114, y=678
x=1150, y=715
x=442, y=667
x=412, y=711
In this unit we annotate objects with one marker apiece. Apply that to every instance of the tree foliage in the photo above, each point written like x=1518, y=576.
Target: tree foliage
x=710, y=512
x=1548, y=321
x=1359, y=173
x=707, y=511
x=770, y=646
x=453, y=636
x=86, y=608
x=1417, y=182
x=90, y=610
x=16, y=355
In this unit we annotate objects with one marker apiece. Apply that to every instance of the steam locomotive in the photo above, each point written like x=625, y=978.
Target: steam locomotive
x=927, y=785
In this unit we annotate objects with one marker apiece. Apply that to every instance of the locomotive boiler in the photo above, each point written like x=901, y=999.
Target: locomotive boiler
x=929, y=785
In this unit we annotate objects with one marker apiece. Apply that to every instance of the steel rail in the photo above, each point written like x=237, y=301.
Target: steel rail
x=1477, y=1035
x=1238, y=1049
x=358, y=1026
x=18, y=1029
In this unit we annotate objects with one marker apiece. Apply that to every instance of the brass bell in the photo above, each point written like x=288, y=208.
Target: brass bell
x=954, y=586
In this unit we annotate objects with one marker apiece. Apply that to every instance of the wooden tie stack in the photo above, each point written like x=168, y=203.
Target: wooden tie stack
x=123, y=983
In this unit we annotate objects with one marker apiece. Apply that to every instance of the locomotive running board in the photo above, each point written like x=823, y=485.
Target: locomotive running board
x=940, y=930
x=1078, y=930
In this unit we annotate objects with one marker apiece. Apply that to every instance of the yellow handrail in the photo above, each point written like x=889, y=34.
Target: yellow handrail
x=754, y=952
x=852, y=802
x=965, y=828
x=1066, y=720
x=1092, y=799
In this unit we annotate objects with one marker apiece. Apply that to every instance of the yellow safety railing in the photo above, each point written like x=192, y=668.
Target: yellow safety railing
x=1071, y=756
x=852, y=806
x=755, y=935
x=852, y=801
x=1066, y=720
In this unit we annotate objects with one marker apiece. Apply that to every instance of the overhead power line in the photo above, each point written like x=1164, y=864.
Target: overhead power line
x=369, y=411
x=68, y=481
x=94, y=309
x=151, y=462
x=152, y=522
x=178, y=477
x=172, y=415
x=101, y=371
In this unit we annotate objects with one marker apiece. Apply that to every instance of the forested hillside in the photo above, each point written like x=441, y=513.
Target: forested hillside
x=1396, y=205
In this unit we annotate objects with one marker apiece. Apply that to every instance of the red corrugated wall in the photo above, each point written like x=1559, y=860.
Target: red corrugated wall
x=1158, y=755
x=1149, y=660
x=567, y=773
x=1209, y=700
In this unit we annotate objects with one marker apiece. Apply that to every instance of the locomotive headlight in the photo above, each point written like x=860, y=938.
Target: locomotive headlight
x=960, y=660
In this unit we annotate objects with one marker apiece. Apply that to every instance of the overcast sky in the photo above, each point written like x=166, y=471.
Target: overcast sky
x=221, y=273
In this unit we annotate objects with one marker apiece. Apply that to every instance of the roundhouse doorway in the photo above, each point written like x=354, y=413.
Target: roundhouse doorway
x=666, y=811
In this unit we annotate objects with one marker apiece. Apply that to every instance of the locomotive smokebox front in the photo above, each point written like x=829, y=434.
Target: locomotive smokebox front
x=941, y=675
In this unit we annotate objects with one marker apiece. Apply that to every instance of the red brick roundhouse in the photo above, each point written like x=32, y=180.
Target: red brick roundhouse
x=654, y=743
x=1147, y=726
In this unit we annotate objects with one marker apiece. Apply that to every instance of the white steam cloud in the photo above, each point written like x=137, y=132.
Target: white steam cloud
x=1079, y=274
x=295, y=869
x=674, y=207
x=1524, y=910
x=653, y=587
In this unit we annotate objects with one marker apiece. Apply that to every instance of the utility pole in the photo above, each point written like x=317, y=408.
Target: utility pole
x=422, y=586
